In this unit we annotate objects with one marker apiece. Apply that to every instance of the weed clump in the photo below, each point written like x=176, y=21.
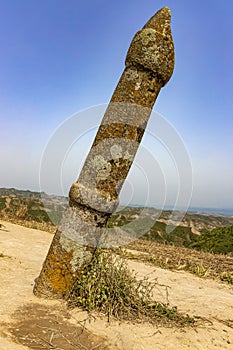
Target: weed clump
x=227, y=277
x=106, y=285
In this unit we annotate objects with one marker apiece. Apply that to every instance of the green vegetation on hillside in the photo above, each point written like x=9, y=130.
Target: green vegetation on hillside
x=181, y=236
x=2, y=203
x=217, y=241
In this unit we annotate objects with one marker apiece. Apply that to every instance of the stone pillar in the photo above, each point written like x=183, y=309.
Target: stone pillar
x=94, y=197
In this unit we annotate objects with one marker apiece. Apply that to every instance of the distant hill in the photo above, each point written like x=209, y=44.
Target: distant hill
x=28, y=207
x=19, y=193
x=196, y=230
x=12, y=192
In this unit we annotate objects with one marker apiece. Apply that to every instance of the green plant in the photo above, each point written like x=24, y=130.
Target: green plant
x=200, y=270
x=2, y=203
x=180, y=236
x=106, y=285
x=217, y=241
x=227, y=277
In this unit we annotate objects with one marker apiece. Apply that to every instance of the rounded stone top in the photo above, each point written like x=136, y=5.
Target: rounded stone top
x=152, y=47
x=164, y=14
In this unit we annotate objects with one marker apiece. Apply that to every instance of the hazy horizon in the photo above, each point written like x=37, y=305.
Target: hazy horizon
x=225, y=211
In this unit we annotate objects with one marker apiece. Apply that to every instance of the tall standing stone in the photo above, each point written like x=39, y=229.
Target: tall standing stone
x=94, y=197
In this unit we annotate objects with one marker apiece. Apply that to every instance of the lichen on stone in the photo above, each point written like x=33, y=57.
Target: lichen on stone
x=79, y=254
x=153, y=48
x=116, y=151
x=98, y=162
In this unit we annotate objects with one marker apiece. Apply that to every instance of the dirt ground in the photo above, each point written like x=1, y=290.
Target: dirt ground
x=31, y=323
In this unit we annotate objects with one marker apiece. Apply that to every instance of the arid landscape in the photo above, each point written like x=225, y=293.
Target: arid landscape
x=116, y=211
x=190, y=280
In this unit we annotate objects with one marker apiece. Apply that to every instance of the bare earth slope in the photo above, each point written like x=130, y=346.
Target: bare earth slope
x=31, y=323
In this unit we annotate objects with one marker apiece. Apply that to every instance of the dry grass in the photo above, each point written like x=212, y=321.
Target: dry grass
x=106, y=285
x=202, y=264
x=30, y=224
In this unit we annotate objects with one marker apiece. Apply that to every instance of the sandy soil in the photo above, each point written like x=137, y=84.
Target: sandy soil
x=31, y=323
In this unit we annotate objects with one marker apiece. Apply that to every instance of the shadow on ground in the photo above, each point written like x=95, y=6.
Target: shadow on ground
x=39, y=327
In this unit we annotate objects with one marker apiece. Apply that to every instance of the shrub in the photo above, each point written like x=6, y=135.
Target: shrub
x=106, y=285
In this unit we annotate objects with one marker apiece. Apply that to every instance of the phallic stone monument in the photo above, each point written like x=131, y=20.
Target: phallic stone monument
x=94, y=197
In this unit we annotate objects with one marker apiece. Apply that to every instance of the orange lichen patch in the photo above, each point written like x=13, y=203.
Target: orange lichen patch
x=60, y=277
x=57, y=274
x=119, y=130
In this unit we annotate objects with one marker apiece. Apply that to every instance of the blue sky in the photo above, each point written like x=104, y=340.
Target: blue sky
x=59, y=57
